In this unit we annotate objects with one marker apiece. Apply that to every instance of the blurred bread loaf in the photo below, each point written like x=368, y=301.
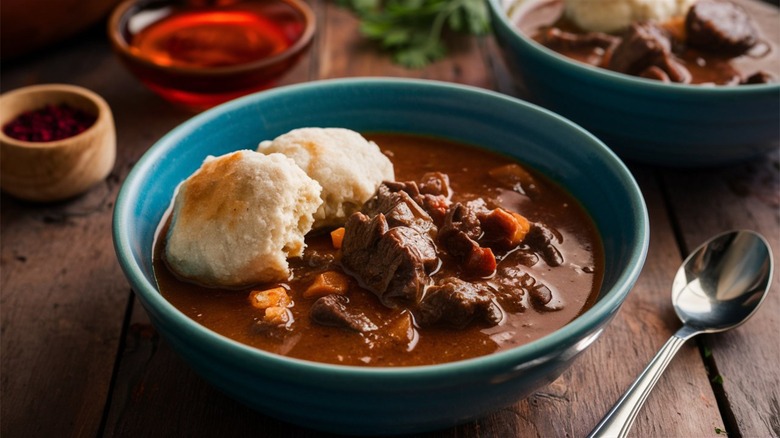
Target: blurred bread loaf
x=615, y=15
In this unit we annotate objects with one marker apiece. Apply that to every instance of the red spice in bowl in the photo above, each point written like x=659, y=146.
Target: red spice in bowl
x=56, y=141
x=50, y=123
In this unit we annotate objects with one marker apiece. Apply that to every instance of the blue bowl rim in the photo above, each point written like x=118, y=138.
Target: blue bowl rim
x=648, y=86
x=578, y=329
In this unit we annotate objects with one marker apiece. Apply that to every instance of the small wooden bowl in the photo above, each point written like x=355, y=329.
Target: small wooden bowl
x=55, y=170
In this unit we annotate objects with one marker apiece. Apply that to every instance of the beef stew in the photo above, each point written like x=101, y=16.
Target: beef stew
x=466, y=254
x=718, y=42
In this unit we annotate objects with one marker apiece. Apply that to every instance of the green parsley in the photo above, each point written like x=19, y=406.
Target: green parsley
x=707, y=352
x=412, y=30
x=718, y=379
x=720, y=431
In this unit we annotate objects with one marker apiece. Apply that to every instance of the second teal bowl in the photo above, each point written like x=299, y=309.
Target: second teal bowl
x=644, y=120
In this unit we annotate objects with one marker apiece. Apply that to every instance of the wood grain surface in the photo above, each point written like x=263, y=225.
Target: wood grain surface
x=79, y=357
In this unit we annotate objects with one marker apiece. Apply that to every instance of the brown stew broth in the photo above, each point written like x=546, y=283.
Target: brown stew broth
x=705, y=67
x=576, y=283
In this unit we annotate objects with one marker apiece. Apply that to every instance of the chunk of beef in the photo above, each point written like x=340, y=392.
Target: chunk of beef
x=436, y=184
x=541, y=240
x=667, y=70
x=458, y=236
x=556, y=38
x=720, y=26
x=432, y=195
x=674, y=70
x=541, y=295
x=644, y=46
x=461, y=218
x=478, y=206
x=510, y=288
x=457, y=303
x=436, y=206
x=656, y=73
x=410, y=187
x=516, y=283
x=759, y=77
x=406, y=240
x=435, y=193
x=333, y=310
x=390, y=262
x=543, y=298
x=317, y=259
x=394, y=201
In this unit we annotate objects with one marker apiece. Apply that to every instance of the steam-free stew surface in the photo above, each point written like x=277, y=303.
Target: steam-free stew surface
x=398, y=341
x=705, y=65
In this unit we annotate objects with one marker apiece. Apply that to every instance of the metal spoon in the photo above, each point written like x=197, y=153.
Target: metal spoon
x=718, y=287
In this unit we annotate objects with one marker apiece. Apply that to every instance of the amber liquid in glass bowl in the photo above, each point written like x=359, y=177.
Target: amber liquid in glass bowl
x=210, y=39
x=201, y=56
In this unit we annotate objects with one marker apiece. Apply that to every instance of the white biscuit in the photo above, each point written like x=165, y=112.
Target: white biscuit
x=348, y=167
x=615, y=15
x=237, y=219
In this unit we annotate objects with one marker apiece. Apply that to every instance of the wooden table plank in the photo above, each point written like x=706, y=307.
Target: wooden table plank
x=63, y=296
x=58, y=304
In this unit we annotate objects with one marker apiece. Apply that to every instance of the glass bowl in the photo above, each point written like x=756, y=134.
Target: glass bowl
x=200, y=54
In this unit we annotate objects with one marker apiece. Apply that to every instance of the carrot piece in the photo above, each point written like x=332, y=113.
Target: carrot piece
x=401, y=331
x=337, y=236
x=504, y=229
x=326, y=283
x=481, y=262
x=264, y=299
x=277, y=315
x=523, y=227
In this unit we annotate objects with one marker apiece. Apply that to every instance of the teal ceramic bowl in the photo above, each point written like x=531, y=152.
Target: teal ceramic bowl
x=640, y=119
x=369, y=401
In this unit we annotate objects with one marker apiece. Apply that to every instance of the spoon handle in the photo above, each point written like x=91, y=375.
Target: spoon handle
x=620, y=418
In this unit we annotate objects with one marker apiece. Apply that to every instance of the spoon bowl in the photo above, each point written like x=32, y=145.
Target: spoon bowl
x=718, y=287
x=721, y=284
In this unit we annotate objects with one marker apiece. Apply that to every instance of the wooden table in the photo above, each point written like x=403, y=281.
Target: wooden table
x=79, y=357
